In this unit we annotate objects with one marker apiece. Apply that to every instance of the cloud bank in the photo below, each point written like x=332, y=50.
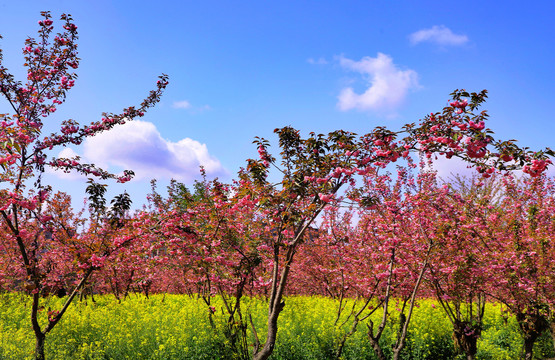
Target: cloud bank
x=138, y=146
x=440, y=35
x=319, y=61
x=183, y=104
x=387, y=84
x=186, y=104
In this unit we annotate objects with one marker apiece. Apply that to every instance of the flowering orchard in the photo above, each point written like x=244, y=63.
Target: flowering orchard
x=337, y=224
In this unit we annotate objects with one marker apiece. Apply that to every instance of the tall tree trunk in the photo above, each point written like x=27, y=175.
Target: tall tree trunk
x=532, y=324
x=466, y=338
x=405, y=319
x=39, y=346
x=279, y=282
x=552, y=329
x=40, y=335
x=269, y=345
x=529, y=347
x=377, y=348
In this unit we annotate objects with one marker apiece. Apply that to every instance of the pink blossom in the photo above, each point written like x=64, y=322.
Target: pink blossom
x=97, y=261
x=506, y=157
x=337, y=172
x=477, y=125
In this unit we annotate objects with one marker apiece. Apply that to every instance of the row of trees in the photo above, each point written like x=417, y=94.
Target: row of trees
x=412, y=236
x=380, y=238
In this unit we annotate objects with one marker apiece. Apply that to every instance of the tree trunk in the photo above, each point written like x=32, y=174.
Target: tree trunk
x=466, y=338
x=552, y=329
x=401, y=336
x=270, y=343
x=532, y=324
x=346, y=336
x=529, y=347
x=39, y=346
x=397, y=353
x=377, y=348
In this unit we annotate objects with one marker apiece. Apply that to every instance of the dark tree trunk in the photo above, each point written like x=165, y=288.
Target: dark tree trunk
x=39, y=346
x=466, y=338
x=529, y=347
x=552, y=330
x=532, y=324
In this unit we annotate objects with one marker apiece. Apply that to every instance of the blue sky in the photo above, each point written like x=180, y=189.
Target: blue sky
x=239, y=69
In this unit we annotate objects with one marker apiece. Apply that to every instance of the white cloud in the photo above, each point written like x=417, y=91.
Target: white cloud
x=449, y=168
x=183, y=104
x=387, y=84
x=138, y=146
x=66, y=153
x=319, y=61
x=440, y=35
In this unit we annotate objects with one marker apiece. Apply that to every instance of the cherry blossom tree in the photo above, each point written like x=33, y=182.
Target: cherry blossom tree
x=313, y=170
x=335, y=263
x=521, y=267
x=50, y=60
x=394, y=226
x=457, y=274
x=212, y=243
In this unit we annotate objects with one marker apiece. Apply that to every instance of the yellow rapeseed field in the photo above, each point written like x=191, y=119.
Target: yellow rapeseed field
x=178, y=327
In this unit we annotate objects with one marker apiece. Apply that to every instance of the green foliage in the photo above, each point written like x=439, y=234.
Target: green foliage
x=97, y=201
x=119, y=205
x=183, y=198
